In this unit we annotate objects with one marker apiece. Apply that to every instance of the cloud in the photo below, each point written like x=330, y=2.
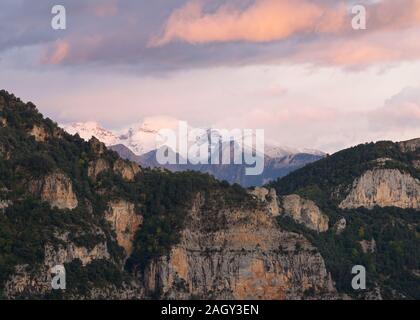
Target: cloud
x=150, y=36
x=273, y=20
x=263, y=21
x=401, y=112
x=106, y=9
x=59, y=52
x=368, y=49
x=301, y=31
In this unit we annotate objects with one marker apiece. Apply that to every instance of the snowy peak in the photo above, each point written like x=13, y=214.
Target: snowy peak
x=280, y=151
x=141, y=138
x=87, y=130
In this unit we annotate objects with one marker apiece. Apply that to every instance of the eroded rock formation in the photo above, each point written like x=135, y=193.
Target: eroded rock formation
x=39, y=133
x=125, y=221
x=96, y=167
x=56, y=189
x=126, y=169
x=305, y=212
x=248, y=258
x=383, y=188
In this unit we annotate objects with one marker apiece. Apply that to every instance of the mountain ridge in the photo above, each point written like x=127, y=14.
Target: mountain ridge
x=278, y=161
x=123, y=231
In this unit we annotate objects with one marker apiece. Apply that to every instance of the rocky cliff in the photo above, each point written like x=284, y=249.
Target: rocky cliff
x=127, y=232
x=56, y=189
x=305, y=212
x=370, y=194
x=125, y=222
x=247, y=257
x=384, y=188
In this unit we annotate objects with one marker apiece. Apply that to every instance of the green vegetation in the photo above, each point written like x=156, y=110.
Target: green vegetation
x=396, y=260
x=164, y=199
x=326, y=180
x=27, y=225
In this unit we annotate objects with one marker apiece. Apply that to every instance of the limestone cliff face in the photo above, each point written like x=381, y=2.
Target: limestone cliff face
x=39, y=133
x=56, y=189
x=268, y=197
x=340, y=226
x=26, y=281
x=368, y=246
x=96, y=167
x=97, y=146
x=410, y=145
x=125, y=222
x=248, y=258
x=383, y=188
x=126, y=169
x=64, y=254
x=305, y=212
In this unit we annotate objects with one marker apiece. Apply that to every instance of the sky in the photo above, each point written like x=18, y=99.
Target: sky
x=297, y=69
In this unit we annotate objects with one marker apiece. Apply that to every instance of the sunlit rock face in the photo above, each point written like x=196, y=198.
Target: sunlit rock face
x=125, y=222
x=246, y=257
x=56, y=189
x=305, y=212
x=384, y=188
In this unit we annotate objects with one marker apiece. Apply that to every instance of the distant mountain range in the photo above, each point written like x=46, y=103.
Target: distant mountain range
x=122, y=231
x=138, y=144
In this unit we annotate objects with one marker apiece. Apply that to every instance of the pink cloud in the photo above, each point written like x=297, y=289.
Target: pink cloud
x=265, y=20
x=58, y=53
x=106, y=9
x=402, y=111
x=275, y=20
x=364, y=50
x=271, y=20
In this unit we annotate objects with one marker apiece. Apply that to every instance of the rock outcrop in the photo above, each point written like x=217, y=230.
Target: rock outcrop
x=383, y=188
x=39, y=133
x=248, y=257
x=269, y=197
x=125, y=222
x=126, y=169
x=27, y=281
x=64, y=254
x=340, y=226
x=96, y=167
x=56, y=189
x=305, y=212
x=4, y=204
x=97, y=147
x=410, y=145
x=368, y=246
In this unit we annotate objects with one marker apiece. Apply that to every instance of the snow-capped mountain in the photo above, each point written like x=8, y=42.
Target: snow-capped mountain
x=142, y=137
x=274, y=151
x=138, y=143
x=87, y=130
